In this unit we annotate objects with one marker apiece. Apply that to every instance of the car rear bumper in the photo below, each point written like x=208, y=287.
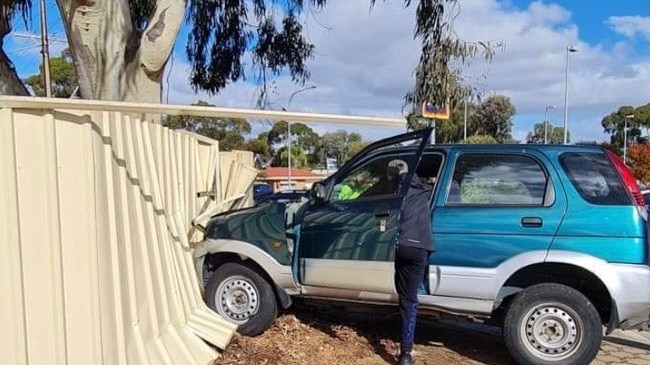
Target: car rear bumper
x=632, y=296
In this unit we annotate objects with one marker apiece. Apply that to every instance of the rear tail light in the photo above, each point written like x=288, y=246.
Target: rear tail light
x=628, y=180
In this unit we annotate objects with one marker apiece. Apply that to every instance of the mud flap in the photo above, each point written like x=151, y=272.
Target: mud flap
x=283, y=298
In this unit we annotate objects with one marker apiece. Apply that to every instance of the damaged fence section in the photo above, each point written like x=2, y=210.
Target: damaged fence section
x=99, y=213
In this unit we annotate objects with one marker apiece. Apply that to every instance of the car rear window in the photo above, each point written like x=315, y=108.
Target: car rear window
x=594, y=178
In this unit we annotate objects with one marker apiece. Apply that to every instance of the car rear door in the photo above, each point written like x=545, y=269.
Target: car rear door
x=499, y=205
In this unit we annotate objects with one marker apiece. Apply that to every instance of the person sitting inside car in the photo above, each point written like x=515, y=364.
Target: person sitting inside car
x=354, y=188
x=388, y=184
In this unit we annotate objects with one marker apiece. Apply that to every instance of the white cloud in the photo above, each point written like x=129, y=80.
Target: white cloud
x=630, y=26
x=364, y=62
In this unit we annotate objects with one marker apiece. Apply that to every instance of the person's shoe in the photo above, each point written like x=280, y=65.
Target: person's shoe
x=406, y=359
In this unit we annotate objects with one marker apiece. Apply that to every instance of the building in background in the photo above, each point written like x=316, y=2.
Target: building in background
x=278, y=178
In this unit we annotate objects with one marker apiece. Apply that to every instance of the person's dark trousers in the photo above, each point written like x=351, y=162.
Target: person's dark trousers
x=410, y=266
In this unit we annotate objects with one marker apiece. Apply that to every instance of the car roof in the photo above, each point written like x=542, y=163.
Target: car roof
x=496, y=147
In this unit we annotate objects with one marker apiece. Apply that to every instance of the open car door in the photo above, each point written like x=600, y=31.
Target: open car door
x=347, y=238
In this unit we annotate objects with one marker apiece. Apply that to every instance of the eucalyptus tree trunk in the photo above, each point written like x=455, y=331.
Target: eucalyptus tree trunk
x=10, y=83
x=114, y=60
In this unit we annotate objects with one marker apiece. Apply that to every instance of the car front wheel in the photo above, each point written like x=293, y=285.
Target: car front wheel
x=552, y=324
x=243, y=297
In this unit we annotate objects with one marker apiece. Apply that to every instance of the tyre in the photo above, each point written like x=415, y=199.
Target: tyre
x=242, y=296
x=552, y=324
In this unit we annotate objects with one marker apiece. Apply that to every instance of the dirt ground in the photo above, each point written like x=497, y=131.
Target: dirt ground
x=328, y=335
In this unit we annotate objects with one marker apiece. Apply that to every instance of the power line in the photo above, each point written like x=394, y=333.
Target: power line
x=36, y=37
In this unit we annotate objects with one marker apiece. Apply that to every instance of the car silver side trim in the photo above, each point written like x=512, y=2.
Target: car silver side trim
x=455, y=306
x=459, y=306
x=280, y=274
x=371, y=276
x=629, y=285
x=478, y=283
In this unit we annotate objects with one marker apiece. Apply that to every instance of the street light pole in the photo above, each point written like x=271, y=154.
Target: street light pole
x=289, y=132
x=546, y=122
x=569, y=49
x=465, y=123
x=625, y=138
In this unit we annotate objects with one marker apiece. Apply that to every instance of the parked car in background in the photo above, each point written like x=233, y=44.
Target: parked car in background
x=285, y=196
x=548, y=242
x=261, y=190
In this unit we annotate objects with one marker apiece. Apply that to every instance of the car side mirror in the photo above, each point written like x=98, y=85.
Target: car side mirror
x=318, y=192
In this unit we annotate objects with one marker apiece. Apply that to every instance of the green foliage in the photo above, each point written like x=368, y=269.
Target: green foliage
x=298, y=158
x=259, y=146
x=453, y=129
x=494, y=118
x=340, y=145
x=356, y=147
x=490, y=117
x=554, y=135
x=436, y=80
x=63, y=76
x=228, y=131
x=223, y=30
x=301, y=134
x=480, y=139
x=614, y=124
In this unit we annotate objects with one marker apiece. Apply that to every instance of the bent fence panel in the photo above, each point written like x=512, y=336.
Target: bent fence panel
x=95, y=239
x=100, y=212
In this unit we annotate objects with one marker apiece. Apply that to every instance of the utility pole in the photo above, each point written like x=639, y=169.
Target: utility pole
x=46, y=51
x=465, y=123
x=569, y=49
x=631, y=116
x=289, y=132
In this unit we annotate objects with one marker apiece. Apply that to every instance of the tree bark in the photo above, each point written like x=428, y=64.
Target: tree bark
x=10, y=83
x=114, y=60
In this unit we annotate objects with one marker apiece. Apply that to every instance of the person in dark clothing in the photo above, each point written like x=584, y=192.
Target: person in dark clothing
x=414, y=246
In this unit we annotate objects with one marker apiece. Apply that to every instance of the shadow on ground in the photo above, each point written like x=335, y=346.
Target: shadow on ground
x=380, y=326
x=629, y=343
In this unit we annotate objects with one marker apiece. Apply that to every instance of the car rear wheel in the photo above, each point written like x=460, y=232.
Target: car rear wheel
x=552, y=324
x=243, y=297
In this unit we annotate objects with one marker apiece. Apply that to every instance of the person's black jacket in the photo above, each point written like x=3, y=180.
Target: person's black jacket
x=415, y=217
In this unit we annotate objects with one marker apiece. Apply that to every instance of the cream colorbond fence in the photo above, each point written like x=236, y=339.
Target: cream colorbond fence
x=95, y=266
x=96, y=230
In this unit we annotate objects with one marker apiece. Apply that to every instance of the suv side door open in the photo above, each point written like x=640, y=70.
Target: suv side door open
x=347, y=240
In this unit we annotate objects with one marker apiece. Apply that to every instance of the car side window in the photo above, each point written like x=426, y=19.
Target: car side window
x=378, y=177
x=484, y=179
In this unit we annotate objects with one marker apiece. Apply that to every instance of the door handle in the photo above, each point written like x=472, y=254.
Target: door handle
x=382, y=213
x=532, y=222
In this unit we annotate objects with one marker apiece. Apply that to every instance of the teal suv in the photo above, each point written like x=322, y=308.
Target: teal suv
x=549, y=242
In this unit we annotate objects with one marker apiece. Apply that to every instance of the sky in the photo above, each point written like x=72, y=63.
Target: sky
x=365, y=58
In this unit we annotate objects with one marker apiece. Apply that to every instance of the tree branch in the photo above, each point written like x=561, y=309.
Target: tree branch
x=158, y=39
x=10, y=83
